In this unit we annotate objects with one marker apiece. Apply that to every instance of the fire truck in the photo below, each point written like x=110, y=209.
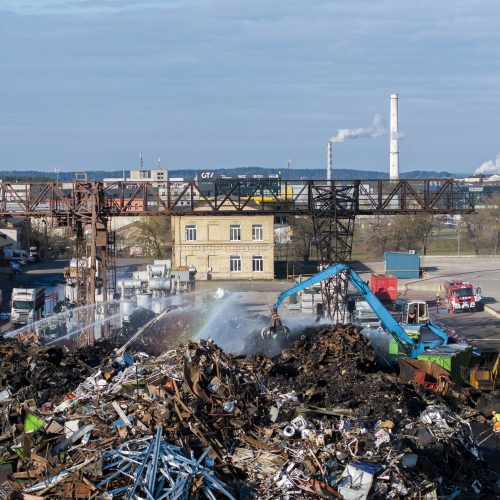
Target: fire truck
x=462, y=296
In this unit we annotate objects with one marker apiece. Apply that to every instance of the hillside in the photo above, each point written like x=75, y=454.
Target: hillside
x=295, y=174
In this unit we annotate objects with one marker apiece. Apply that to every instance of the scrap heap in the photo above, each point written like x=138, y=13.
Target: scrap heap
x=318, y=420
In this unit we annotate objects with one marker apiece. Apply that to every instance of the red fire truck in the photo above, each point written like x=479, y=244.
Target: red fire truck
x=462, y=296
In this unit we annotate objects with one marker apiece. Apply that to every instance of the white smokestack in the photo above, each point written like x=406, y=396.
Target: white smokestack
x=394, y=146
x=329, y=160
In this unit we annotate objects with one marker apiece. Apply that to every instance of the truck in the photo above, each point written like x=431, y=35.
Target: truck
x=27, y=305
x=462, y=296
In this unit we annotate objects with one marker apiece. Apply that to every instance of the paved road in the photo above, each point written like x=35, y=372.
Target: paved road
x=481, y=329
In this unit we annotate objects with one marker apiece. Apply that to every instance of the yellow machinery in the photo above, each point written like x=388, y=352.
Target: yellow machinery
x=485, y=375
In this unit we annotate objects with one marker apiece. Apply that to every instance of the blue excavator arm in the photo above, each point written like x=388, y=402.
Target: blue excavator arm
x=386, y=318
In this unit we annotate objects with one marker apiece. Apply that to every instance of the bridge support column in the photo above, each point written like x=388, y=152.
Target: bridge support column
x=333, y=213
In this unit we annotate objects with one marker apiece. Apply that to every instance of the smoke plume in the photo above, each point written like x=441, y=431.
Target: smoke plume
x=489, y=167
x=377, y=129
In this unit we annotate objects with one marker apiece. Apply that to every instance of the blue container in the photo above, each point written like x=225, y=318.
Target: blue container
x=403, y=265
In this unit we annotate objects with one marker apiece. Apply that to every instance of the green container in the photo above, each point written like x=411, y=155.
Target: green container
x=394, y=347
x=451, y=358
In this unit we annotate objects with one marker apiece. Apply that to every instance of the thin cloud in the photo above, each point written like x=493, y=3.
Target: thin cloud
x=50, y=7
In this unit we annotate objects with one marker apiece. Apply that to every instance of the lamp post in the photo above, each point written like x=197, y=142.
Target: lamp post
x=458, y=239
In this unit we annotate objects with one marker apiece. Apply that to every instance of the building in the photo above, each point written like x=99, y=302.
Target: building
x=239, y=247
x=157, y=177
x=10, y=237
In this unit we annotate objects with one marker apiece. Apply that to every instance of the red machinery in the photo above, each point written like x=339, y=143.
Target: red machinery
x=461, y=295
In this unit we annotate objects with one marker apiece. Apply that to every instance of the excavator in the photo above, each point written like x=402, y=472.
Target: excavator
x=418, y=316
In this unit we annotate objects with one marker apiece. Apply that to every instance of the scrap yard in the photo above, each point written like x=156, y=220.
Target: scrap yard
x=195, y=390
x=249, y=250
x=159, y=378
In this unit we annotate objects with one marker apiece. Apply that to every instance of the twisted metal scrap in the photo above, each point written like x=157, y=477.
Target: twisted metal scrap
x=155, y=469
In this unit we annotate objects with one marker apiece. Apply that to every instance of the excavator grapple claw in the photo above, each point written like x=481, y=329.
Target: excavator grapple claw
x=276, y=329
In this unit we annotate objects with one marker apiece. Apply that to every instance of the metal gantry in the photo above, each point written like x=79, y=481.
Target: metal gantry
x=333, y=205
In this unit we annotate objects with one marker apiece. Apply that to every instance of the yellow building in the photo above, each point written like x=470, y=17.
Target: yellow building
x=225, y=247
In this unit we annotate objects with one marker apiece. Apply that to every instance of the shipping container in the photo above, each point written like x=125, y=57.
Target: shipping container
x=452, y=358
x=402, y=265
x=426, y=373
x=384, y=286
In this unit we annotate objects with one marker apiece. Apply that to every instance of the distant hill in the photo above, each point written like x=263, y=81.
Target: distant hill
x=295, y=174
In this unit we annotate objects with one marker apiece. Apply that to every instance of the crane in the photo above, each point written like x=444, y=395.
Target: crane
x=413, y=347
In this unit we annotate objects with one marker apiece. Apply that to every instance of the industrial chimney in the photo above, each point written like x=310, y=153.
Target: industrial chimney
x=329, y=160
x=394, y=147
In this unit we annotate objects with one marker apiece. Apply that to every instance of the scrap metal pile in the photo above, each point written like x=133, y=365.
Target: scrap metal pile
x=317, y=421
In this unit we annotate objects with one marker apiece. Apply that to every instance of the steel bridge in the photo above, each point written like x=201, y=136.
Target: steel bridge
x=333, y=206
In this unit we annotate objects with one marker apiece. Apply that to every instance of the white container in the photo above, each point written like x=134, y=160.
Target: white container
x=159, y=284
x=126, y=309
x=144, y=300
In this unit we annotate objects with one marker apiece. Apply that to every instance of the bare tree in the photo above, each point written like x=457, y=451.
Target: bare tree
x=422, y=227
x=493, y=214
x=400, y=232
x=156, y=234
x=476, y=226
x=379, y=235
x=303, y=237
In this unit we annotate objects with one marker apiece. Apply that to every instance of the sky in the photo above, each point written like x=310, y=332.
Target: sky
x=204, y=84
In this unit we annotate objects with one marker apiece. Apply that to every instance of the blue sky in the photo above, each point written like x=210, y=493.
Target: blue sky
x=88, y=84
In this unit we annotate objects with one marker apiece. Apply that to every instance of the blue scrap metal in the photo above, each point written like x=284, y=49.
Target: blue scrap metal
x=154, y=469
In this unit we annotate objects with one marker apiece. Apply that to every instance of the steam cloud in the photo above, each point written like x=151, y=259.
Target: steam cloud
x=377, y=129
x=489, y=167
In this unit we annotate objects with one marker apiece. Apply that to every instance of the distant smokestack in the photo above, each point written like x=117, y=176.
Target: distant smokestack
x=394, y=147
x=329, y=160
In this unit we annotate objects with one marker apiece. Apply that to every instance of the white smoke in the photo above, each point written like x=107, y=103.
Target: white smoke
x=489, y=167
x=378, y=129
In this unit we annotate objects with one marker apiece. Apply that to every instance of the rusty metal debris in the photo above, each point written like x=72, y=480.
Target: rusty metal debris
x=318, y=421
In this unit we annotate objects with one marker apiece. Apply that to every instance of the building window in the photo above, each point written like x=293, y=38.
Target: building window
x=257, y=264
x=191, y=232
x=257, y=232
x=235, y=264
x=234, y=232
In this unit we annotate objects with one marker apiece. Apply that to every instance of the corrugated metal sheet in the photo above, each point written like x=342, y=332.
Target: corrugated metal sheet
x=403, y=265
